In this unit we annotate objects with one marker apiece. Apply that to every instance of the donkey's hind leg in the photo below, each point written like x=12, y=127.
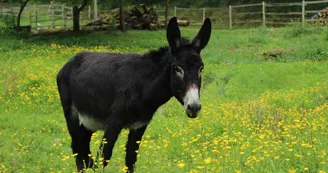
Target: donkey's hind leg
x=80, y=135
x=80, y=143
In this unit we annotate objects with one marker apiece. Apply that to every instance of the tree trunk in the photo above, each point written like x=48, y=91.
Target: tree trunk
x=76, y=16
x=122, y=22
x=20, y=14
x=166, y=11
x=76, y=19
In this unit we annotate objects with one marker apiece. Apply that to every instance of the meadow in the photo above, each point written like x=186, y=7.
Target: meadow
x=260, y=114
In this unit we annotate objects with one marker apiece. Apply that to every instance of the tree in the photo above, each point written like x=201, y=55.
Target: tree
x=122, y=21
x=76, y=14
x=21, y=9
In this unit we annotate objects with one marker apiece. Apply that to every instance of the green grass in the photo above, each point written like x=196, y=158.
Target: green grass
x=260, y=113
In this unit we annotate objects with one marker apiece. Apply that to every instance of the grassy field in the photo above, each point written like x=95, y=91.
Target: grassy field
x=260, y=113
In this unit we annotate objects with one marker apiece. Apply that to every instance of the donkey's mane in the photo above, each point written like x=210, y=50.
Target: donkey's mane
x=156, y=55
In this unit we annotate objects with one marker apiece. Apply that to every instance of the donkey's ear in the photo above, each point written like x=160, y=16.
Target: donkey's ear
x=173, y=35
x=203, y=36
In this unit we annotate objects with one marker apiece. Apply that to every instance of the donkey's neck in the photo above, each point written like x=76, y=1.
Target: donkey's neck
x=159, y=91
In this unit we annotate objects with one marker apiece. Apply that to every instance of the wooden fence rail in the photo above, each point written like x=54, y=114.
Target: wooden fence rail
x=197, y=15
x=265, y=14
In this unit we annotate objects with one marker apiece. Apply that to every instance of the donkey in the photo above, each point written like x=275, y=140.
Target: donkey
x=106, y=91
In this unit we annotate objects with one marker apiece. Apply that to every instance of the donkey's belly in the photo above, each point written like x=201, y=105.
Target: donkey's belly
x=137, y=125
x=90, y=123
x=94, y=124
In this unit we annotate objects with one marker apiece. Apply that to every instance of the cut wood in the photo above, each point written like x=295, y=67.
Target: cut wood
x=136, y=17
x=320, y=18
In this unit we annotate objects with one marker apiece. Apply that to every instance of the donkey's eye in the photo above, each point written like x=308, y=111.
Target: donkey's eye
x=179, y=71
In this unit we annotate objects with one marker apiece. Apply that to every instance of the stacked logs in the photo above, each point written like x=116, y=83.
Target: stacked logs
x=135, y=17
x=321, y=18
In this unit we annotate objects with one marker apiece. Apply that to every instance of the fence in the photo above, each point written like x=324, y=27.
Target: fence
x=266, y=14
x=196, y=16
x=48, y=16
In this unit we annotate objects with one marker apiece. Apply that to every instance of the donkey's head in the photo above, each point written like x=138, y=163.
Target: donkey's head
x=187, y=65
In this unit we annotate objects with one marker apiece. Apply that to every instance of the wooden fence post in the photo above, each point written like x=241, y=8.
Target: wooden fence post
x=303, y=13
x=175, y=11
x=263, y=12
x=34, y=8
x=203, y=14
x=230, y=16
x=62, y=10
x=166, y=12
x=31, y=20
x=36, y=20
x=95, y=8
x=65, y=21
x=89, y=12
x=49, y=7
x=53, y=17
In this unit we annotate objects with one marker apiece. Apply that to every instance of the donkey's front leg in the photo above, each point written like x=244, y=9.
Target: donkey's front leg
x=132, y=146
x=111, y=134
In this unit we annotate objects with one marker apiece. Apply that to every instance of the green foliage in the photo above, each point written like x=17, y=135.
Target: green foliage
x=258, y=39
x=318, y=54
x=7, y=23
x=8, y=28
x=298, y=30
x=112, y=26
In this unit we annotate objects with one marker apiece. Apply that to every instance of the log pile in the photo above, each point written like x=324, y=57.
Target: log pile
x=321, y=18
x=135, y=17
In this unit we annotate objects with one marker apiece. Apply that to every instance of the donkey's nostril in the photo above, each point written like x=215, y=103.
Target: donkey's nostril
x=194, y=107
x=193, y=110
x=198, y=107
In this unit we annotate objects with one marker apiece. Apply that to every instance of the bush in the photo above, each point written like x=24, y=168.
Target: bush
x=7, y=23
x=112, y=26
x=8, y=27
x=298, y=30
